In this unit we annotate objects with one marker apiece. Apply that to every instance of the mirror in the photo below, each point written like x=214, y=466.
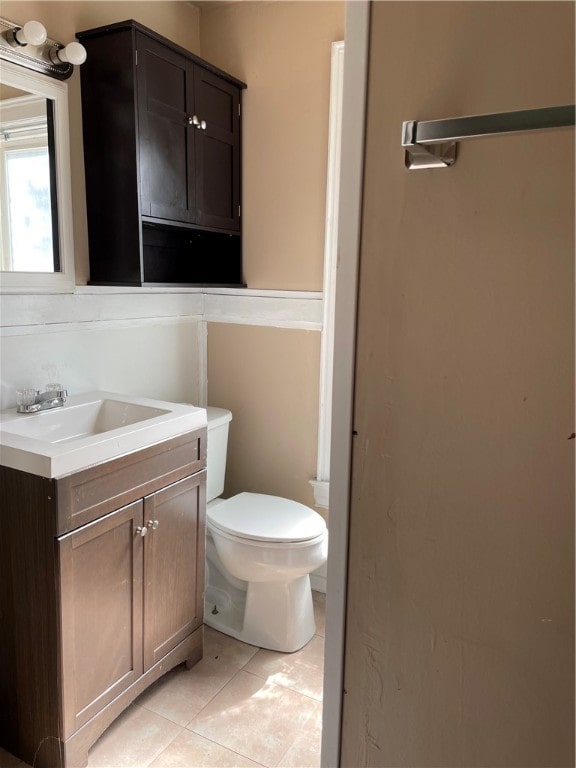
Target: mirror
x=28, y=208
x=35, y=210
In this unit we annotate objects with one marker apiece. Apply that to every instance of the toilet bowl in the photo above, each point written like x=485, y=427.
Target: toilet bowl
x=260, y=551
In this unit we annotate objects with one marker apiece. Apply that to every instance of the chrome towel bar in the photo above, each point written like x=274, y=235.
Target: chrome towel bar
x=432, y=143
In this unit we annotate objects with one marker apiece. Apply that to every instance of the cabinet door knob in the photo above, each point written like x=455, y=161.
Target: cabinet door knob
x=153, y=524
x=194, y=121
x=202, y=125
x=141, y=530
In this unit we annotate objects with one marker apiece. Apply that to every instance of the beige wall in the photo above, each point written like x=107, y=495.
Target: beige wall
x=178, y=21
x=282, y=51
x=460, y=646
x=268, y=378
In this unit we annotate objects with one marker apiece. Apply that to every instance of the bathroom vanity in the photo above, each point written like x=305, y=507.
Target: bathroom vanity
x=101, y=584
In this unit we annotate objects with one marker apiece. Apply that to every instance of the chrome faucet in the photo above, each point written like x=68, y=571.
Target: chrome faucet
x=33, y=400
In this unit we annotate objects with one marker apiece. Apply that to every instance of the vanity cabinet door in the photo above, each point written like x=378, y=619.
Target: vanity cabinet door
x=166, y=135
x=217, y=179
x=100, y=612
x=174, y=564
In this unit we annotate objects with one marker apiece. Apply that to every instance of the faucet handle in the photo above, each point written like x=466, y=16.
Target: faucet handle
x=57, y=389
x=26, y=397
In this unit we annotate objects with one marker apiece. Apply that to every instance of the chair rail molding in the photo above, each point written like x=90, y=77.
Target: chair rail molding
x=93, y=304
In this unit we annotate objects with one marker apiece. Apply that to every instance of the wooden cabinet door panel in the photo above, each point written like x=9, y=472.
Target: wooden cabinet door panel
x=173, y=565
x=165, y=104
x=217, y=151
x=100, y=612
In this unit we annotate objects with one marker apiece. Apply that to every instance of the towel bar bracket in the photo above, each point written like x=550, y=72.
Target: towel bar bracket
x=419, y=156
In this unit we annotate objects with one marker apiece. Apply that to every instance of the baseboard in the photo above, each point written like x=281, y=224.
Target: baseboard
x=321, y=492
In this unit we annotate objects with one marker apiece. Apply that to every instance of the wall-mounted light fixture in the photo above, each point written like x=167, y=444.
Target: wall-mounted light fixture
x=30, y=46
x=32, y=33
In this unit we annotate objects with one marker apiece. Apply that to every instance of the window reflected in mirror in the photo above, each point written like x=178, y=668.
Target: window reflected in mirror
x=28, y=216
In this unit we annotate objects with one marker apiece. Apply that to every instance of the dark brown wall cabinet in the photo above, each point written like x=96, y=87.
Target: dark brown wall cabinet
x=101, y=592
x=162, y=160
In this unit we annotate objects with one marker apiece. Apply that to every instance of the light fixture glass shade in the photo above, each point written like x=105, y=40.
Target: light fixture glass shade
x=32, y=33
x=73, y=53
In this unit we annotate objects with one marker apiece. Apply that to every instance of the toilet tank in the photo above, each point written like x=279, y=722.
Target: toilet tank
x=217, y=444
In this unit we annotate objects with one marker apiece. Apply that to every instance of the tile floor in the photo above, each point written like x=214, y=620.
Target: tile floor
x=239, y=707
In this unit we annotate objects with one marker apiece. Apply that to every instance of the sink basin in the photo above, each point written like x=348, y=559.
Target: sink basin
x=89, y=429
x=74, y=421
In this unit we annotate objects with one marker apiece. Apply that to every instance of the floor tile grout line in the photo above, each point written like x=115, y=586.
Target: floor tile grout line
x=200, y=710
x=251, y=657
x=216, y=694
x=211, y=700
x=157, y=714
x=284, y=754
x=240, y=754
x=167, y=745
x=287, y=686
x=234, y=751
x=243, y=669
x=256, y=647
x=239, y=669
x=284, y=687
x=186, y=728
x=291, y=745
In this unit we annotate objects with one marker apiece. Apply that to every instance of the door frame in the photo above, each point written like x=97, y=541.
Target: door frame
x=349, y=229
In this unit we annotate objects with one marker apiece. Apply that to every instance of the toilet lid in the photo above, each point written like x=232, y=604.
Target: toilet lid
x=260, y=517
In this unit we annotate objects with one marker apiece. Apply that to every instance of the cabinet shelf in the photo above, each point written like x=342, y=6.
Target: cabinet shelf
x=190, y=256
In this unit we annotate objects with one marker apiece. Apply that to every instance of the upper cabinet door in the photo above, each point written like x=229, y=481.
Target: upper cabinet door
x=165, y=111
x=217, y=179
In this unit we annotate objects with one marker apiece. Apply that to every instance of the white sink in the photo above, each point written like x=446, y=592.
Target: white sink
x=89, y=429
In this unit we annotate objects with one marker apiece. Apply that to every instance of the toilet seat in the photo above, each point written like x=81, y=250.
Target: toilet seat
x=262, y=518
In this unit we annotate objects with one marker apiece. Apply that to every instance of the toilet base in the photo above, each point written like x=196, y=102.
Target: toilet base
x=274, y=615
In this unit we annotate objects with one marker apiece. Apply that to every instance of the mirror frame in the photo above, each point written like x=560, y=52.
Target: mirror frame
x=64, y=280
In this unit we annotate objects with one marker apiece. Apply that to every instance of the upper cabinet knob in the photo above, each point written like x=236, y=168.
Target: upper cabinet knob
x=193, y=120
x=202, y=125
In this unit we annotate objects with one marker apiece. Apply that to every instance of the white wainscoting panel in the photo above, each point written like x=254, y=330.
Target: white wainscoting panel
x=154, y=358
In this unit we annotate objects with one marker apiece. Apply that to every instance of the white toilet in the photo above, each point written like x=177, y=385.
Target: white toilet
x=260, y=551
